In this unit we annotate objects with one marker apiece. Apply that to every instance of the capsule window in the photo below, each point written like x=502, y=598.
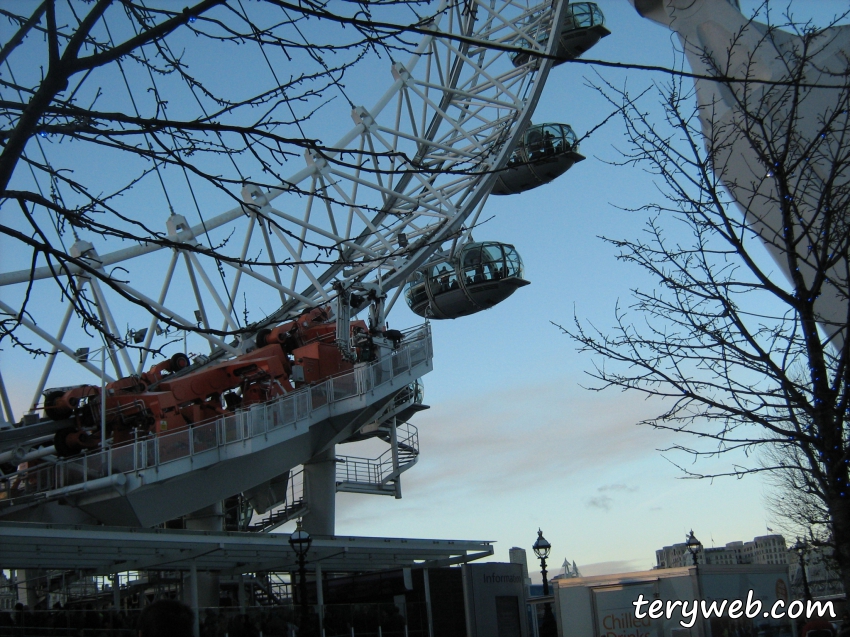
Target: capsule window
x=583, y=15
x=513, y=262
x=443, y=279
x=416, y=292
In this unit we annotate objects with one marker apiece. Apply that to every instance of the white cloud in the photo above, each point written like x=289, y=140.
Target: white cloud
x=603, y=502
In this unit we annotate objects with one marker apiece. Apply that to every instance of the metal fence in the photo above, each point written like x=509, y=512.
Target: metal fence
x=252, y=423
x=338, y=620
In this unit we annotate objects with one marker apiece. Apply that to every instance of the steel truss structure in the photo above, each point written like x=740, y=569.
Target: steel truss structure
x=408, y=181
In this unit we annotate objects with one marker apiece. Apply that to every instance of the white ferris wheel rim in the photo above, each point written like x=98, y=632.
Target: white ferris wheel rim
x=458, y=102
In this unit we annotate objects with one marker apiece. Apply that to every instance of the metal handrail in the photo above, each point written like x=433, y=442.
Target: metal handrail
x=359, y=470
x=258, y=420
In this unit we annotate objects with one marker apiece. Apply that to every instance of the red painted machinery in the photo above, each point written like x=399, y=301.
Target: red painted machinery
x=302, y=351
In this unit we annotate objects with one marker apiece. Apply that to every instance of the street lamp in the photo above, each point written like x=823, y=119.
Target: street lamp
x=694, y=546
x=541, y=549
x=800, y=549
x=300, y=542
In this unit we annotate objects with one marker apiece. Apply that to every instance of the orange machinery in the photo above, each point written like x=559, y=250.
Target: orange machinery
x=161, y=400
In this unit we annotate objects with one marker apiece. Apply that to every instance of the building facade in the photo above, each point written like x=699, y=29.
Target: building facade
x=765, y=549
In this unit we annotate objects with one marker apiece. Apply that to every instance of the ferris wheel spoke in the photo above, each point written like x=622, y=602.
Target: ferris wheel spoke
x=272, y=258
x=152, y=327
x=199, y=301
x=385, y=191
x=294, y=296
x=108, y=321
x=303, y=267
x=174, y=315
x=48, y=338
x=376, y=168
x=237, y=278
x=213, y=292
x=459, y=130
x=355, y=183
x=525, y=37
x=51, y=357
x=335, y=238
x=305, y=226
x=470, y=95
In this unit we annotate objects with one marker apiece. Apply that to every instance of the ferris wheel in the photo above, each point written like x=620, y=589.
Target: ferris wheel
x=402, y=189
x=388, y=209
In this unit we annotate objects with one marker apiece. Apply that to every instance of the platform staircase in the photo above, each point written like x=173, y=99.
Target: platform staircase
x=292, y=508
x=354, y=474
x=381, y=475
x=269, y=589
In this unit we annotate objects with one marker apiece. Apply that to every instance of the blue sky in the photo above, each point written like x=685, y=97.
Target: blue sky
x=512, y=441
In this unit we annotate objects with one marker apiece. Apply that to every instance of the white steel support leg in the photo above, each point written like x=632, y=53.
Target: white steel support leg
x=272, y=258
x=211, y=288
x=200, y=302
x=113, y=326
x=234, y=289
x=152, y=327
x=51, y=358
x=108, y=325
x=206, y=584
x=7, y=406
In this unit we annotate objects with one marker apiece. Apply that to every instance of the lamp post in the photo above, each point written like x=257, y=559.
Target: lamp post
x=300, y=542
x=541, y=549
x=800, y=549
x=693, y=545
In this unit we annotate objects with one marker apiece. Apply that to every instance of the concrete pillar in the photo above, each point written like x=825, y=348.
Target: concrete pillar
x=209, y=518
x=320, y=599
x=27, y=579
x=241, y=596
x=427, y=584
x=193, y=601
x=116, y=591
x=320, y=493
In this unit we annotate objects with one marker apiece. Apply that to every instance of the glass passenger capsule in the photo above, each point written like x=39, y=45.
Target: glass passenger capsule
x=546, y=152
x=582, y=28
x=482, y=275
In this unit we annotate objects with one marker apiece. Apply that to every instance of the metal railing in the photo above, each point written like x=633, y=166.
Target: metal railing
x=378, y=470
x=81, y=472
